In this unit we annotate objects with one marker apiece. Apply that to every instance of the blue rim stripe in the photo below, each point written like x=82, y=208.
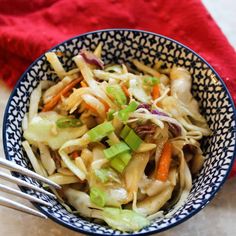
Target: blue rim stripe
x=129, y=30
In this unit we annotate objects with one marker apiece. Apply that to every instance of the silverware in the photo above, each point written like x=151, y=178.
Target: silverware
x=18, y=206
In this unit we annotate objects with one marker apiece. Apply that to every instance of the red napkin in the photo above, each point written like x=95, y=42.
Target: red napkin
x=29, y=28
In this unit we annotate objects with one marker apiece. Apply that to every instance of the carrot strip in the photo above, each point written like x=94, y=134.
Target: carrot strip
x=74, y=154
x=106, y=106
x=86, y=105
x=155, y=92
x=64, y=92
x=125, y=90
x=162, y=170
x=83, y=84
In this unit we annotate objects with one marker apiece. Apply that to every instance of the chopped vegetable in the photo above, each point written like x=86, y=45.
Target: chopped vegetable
x=145, y=106
x=125, y=131
x=97, y=196
x=125, y=157
x=95, y=104
x=115, y=68
x=110, y=114
x=151, y=81
x=80, y=164
x=46, y=159
x=34, y=102
x=136, y=88
x=65, y=171
x=155, y=92
x=55, y=63
x=102, y=175
x=133, y=140
x=106, y=106
x=98, y=50
x=80, y=201
x=117, y=93
x=43, y=128
x=120, y=162
x=100, y=131
x=68, y=122
x=87, y=106
x=125, y=113
x=143, y=130
x=89, y=78
x=56, y=88
x=83, y=84
x=124, y=220
x=90, y=58
x=146, y=69
x=115, y=150
x=61, y=179
x=145, y=147
x=125, y=90
x=117, y=164
x=32, y=157
x=72, y=166
x=113, y=139
x=75, y=154
x=106, y=174
x=164, y=163
x=53, y=102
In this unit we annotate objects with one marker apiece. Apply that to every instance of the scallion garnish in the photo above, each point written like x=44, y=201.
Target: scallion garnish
x=124, y=114
x=100, y=131
x=67, y=122
x=121, y=161
x=110, y=114
x=97, y=196
x=131, y=138
x=151, y=81
x=115, y=150
x=117, y=93
x=125, y=131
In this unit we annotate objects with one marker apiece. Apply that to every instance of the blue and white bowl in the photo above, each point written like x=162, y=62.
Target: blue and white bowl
x=122, y=45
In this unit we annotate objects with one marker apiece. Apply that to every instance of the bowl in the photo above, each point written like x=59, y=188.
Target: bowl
x=121, y=45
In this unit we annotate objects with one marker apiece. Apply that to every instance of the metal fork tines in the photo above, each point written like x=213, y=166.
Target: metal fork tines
x=18, y=206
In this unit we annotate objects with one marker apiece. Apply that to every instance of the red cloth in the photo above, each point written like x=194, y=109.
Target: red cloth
x=29, y=28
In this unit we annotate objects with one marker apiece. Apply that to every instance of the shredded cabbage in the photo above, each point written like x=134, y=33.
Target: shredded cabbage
x=105, y=142
x=124, y=220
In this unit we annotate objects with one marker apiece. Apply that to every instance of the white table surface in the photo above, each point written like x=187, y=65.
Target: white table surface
x=218, y=218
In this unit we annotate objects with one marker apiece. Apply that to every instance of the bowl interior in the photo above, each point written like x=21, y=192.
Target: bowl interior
x=121, y=46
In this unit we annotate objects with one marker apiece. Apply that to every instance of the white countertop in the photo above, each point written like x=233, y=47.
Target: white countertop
x=219, y=216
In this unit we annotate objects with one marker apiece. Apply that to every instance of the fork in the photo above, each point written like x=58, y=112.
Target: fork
x=18, y=206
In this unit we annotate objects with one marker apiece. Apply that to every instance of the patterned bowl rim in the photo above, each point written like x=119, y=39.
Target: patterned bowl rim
x=203, y=204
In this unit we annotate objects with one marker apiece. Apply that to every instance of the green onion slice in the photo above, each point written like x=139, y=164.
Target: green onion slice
x=125, y=131
x=121, y=161
x=118, y=94
x=97, y=196
x=133, y=140
x=117, y=164
x=102, y=175
x=115, y=150
x=100, y=131
x=110, y=114
x=67, y=122
x=151, y=81
x=124, y=114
